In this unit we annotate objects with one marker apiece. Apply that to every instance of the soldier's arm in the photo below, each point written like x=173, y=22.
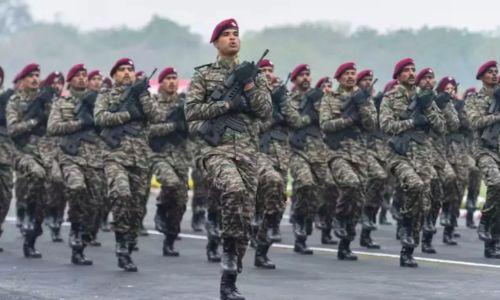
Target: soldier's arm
x=196, y=108
x=435, y=118
x=105, y=118
x=368, y=114
x=161, y=129
x=390, y=122
x=55, y=123
x=477, y=113
x=15, y=125
x=150, y=107
x=293, y=118
x=330, y=117
x=451, y=117
x=260, y=99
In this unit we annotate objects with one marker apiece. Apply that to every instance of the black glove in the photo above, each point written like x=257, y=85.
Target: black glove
x=360, y=97
x=245, y=72
x=442, y=99
x=86, y=118
x=238, y=104
x=459, y=105
x=425, y=98
x=420, y=120
x=135, y=112
x=140, y=86
x=314, y=95
x=278, y=94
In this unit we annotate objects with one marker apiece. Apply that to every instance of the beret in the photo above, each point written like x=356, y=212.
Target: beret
x=167, y=71
x=26, y=71
x=363, y=74
x=400, y=66
x=51, y=78
x=223, y=25
x=344, y=67
x=484, y=67
x=444, y=82
x=74, y=69
x=322, y=81
x=94, y=73
x=298, y=69
x=266, y=63
x=119, y=63
x=422, y=73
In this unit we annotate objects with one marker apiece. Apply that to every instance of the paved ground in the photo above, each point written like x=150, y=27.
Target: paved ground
x=456, y=272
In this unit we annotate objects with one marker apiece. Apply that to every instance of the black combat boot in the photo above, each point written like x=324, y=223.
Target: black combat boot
x=228, y=289
x=427, y=243
x=229, y=260
x=253, y=234
x=160, y=218
x=168, y=245
x=448, y=236
x=407, y=233
x=406, y=258
x=273, y=231
x=213, y=250
x=382, y=218
x=93, y=240
x=31, y=231
x=490, y=250
x=339, y=224
x=123, y=250
x=77, y=246
x=213, y=237
x=326, y=237
x=365, y=240
x=366, y=220
x=483, y=229
x=445, y=218
x=344, y=251
x=399, y=230
x=261, y=259
x=300, y=236
x=198, y=219
x=429, y=224
x=54, y=225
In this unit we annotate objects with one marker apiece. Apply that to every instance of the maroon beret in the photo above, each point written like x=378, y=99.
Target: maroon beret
x=75, y=69
x=444, y=82
x=107, y=82
x=298, y=69
x=471, y=90
x=390, y=85
x=266, y=63
x=344, y=67
x=94, y=73
x=484, y=67
x=167, y=71
x=51, y=78
x=363, y=74
x=422, y=73
x=26, y=71
x=400, y=66
x=226, y=24
x=139, y=74
x=119, y=63
x=322, y=81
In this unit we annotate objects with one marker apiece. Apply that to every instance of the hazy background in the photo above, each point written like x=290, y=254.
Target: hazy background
x=453, y=38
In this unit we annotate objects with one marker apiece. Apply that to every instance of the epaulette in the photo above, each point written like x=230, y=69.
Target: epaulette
x=202, y=66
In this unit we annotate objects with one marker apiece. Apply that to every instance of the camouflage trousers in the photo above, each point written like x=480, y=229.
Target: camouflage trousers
x=445, y=190
x=489, y=164
x=461, y=166
x=200, y=191
x=84, y=186
x=173, y=177
x=33, y=175
x=233, y=176
x=376, y=187
x=56, y=198
x=126, y=186
x=473, y=183
x=414, y=174
x=20, y=188
x=5, y=192
x=271, y=198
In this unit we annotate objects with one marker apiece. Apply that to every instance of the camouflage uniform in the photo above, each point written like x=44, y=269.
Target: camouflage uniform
x=488, y=161
x=126, y=166
x=309, y=169
x=6, y=176
x=28, y=163
x=352, y=166
x=230, y=166
x=413, y=170
x=171, y=170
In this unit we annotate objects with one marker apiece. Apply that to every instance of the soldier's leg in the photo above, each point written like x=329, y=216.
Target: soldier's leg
x=6, y=184
x=304, y=207
x=199, y=200
x=98, y=188
x=213, y=223
x=349, y=204
x=20, y=187
x=144, y=203
x=329, y=199
x=450, y=197
x=473, y=187
x=56, y=199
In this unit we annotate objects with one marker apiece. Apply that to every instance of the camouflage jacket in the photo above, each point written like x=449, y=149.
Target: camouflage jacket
x=348, y=136
x=133, y=150
x=452, y=124
x=5, y=142
x=63, y=122
x=200, y=108
x=394, y=121
x=477, y=109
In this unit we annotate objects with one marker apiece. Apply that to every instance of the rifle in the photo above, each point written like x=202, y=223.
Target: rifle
x=178, y=117
x=84, y=111
x=230, y=92
x=278, y=97
x=36, y=110
x=4, y=97
x=298, y=137
x=129, y=101
x=489, y=137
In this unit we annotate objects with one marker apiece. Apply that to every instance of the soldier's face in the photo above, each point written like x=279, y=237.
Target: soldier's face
x=269, y=73
x=95, y=83
x=58, y=85
x=450, y=89
x=407, y=75
x=170, y=84
x=228, y=43
x=490, y=77
x=124, y=75
x=428, y=82
x=303, y=80
x=366, y=82
x=79, y=81
x=32, y=81
x=348, y=79
x=327, y=87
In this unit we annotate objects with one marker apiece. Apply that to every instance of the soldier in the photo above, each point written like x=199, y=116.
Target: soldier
x=80, y=158
x=200, y=191
x=6, y=177
x=167, y=139
x=377, y=179
x=272, y=165
x=56, y=198
x=409, y=158
x=484, y=120
x=228, y=158
x=26, y=115
x=346, y=115
x=121, y=112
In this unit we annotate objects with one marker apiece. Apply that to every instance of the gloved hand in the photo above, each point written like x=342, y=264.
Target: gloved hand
x=278, y=94
x=238, y=104
x=86, y=119
x=425, y=98
x=360, y=97
x=442, y=99
x=245, y=72
x=135, y=112
x=420, y=120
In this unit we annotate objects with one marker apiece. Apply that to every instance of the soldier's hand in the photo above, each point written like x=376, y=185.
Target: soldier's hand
x=419, y=120
x=135, y=113
x=360, y=97
x=86, y=119
x=425, y=98
x=278, y=94
x=314, y=95
x=237, y=105
x=442, y=99
x=245, y=72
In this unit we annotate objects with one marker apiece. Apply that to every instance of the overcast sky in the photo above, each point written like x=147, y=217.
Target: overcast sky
x=200, y=15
